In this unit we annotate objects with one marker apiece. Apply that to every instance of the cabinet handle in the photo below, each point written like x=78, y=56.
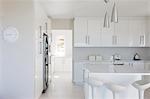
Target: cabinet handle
x=142, y=40
x=116, y=40
x=113, y=40
x=88, y=39
x=40, y=47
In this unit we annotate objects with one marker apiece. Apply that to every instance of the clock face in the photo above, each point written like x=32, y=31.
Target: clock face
x=10, y=34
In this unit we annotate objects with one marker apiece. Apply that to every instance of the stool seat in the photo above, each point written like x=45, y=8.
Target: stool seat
x=94, y=82
x=141, y=85
x=115, y=87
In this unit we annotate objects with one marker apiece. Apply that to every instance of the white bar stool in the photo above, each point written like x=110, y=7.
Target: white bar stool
x=141, y=85
x=92, y=82
x=115, y=88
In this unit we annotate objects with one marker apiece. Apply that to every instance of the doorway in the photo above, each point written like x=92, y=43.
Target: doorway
x=62, y=53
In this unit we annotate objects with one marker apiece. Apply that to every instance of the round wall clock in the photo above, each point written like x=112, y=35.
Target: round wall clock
x=11, y=34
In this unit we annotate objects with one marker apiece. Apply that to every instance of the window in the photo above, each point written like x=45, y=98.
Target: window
x=60, y=46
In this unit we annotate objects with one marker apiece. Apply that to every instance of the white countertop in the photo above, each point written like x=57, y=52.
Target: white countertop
x=114, y=70
x=110, y=61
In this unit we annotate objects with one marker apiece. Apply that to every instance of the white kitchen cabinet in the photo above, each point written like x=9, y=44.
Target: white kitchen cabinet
x=122, y=35
x=80, y=32
x=137, y=28
x=78, y=73
x=128, y=32
x=94, y=32
x=107, y=36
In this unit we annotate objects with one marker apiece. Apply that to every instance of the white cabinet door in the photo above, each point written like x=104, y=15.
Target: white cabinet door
x=122, y=35
x=137, y=29
x=107, y=36
x=78, y=73
x=94, y=32
x=80, y=32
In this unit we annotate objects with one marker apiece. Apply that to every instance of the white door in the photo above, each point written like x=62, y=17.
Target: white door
x=94, y=32
x=122, y=33
x=62, y=50
x=137, y=29
x=80, y=32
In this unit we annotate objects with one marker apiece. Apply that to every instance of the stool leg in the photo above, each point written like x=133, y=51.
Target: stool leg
x=114, y=95
x=92, y=89
x=141, y=94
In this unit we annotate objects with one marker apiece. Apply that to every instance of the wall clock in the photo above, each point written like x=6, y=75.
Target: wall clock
x=10, y=34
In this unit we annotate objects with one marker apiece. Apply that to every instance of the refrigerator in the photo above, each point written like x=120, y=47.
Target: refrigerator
x=45, y=63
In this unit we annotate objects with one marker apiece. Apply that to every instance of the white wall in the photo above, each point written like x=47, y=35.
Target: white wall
x=18, y=58
x=62, y=24
x=63, y=63
x=0, y=47
x=40, y=20
x=22, y=71
x=126, y=53
x=0, y=57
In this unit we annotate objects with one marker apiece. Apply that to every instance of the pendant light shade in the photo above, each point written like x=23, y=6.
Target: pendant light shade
x=106, y=1
x=106, y=21
x=114, y=16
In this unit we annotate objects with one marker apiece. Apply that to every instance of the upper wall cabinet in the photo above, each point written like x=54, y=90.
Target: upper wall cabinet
x=128, y=32
x=138, y=32
x=121, y=33
x=108, y=37
x=87, y=32
x=94, y=32
x=80, y=32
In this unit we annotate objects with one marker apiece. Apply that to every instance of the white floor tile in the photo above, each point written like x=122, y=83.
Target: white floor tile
x=63, y=88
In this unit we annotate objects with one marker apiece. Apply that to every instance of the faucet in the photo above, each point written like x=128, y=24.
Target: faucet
x=116, y=57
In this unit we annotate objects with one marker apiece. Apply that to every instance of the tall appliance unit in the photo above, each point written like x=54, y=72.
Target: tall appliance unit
x=45, y=63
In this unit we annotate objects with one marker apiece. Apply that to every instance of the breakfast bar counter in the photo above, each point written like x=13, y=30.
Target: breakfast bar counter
x=116, y=74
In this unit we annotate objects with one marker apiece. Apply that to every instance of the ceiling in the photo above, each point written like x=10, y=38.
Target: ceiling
x=91, y=8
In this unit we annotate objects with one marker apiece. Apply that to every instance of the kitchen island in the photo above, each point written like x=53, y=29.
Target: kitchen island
x=118, y=74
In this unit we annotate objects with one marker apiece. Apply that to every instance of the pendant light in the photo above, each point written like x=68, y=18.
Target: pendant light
x=114, y=15
x=106, y=1
x=106, y=18
x=106, y=21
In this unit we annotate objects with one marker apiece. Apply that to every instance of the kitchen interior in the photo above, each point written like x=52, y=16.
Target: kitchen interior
x=77, y=49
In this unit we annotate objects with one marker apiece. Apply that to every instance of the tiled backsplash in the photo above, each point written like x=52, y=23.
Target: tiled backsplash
x=126, y=53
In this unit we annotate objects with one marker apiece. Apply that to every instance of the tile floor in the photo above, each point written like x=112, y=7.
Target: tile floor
x=62, y=88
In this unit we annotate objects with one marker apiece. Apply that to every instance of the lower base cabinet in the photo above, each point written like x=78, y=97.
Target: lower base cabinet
x=78, y=73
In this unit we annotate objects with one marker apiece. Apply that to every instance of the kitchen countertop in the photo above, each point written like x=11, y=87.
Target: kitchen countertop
x=107, y=61
x=114, y=69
